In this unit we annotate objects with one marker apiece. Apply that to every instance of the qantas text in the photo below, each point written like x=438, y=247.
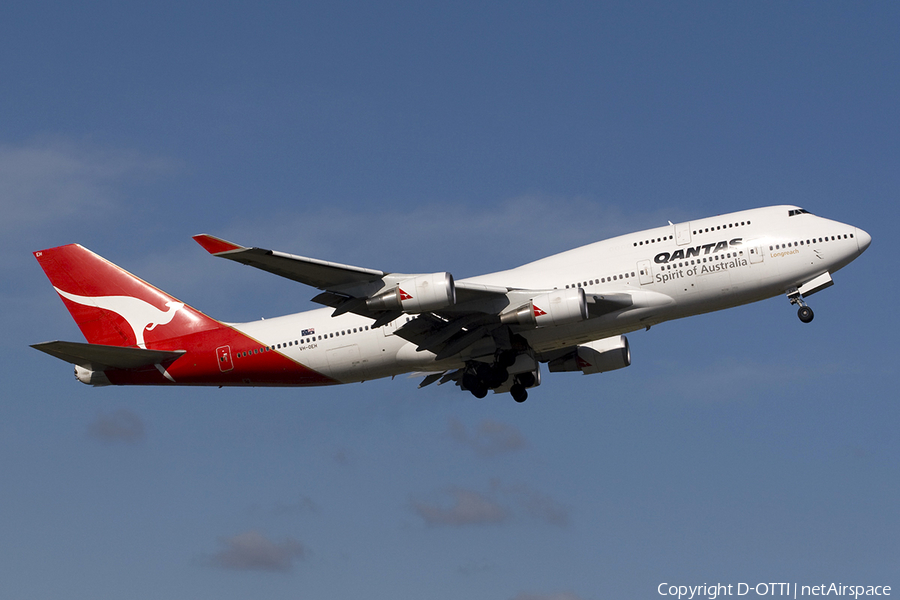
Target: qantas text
x=683, y=253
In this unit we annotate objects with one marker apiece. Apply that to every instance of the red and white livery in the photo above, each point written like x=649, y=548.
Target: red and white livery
x=569, y=311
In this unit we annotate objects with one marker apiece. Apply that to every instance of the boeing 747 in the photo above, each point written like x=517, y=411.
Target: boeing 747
x=569, y=311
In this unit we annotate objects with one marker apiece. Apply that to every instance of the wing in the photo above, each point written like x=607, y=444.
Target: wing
x=317, y=273
x=447, y=317
x=342, y=283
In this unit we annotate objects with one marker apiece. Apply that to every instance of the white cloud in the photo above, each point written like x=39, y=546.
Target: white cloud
x=740, y=376
x=305, y=504
x=502, y=504
x=49, y=180
x=542, y=507
x=489, y=438
x=252, y=551
x=476, y=568
x=118, y=426
x=468, y=508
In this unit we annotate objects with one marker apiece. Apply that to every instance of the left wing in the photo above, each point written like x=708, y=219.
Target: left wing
x=449, y=316
x=317, y=273
x=344, y=283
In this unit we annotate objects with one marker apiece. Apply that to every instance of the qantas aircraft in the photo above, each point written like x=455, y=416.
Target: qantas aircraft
x=569, y=311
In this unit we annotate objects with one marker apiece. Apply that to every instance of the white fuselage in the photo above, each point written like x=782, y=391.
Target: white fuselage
x=670, y=272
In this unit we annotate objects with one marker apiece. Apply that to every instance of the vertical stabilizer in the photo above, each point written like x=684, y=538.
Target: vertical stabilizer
x=113, y=307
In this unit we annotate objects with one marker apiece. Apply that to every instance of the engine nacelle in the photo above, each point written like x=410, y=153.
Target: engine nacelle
x=419, y=294
x=94, y=378
x=554, y=308
x=595, y=357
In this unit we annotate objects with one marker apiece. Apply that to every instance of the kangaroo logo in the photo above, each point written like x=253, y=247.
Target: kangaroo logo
x=139, y=314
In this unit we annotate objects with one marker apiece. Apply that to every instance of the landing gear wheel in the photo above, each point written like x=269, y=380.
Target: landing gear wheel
x=805, y=313
x=471, y=382
x=507, y=358
x=519, y=393
x=496, y=376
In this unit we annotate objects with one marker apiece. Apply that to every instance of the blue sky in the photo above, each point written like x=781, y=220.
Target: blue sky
x=740, y=446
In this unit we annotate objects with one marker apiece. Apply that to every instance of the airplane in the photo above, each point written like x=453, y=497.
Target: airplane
x=569, y=311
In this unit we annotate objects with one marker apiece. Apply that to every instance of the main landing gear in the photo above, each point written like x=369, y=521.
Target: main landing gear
x=479, y=377
x=805, y=313
x=518, y=391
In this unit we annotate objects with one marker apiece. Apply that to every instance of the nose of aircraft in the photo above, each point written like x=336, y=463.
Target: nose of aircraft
x=863, y=239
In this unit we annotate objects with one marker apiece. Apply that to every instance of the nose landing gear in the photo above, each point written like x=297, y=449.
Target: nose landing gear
x=805, y=313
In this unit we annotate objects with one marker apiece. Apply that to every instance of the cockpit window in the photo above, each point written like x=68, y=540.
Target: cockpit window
x=798, y=211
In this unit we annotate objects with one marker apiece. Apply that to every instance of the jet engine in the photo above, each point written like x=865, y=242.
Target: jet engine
x=94, y=378
x=598, y=356
x=554, y=308
x=419, y=294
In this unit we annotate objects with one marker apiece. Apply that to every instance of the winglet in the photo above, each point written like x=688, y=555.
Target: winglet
x=215, y=245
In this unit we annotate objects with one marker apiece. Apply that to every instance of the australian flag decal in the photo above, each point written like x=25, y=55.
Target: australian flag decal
x=306, y=332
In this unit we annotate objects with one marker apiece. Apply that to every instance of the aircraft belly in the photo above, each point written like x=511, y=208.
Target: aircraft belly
x=376, y=356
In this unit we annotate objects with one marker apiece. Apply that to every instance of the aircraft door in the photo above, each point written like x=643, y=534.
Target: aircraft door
x=683, y=234
x=756, y=254
x=223, y=354
x=644, y=273
x=389, y=329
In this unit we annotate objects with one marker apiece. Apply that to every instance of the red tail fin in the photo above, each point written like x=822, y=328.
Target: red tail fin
x=113, y=307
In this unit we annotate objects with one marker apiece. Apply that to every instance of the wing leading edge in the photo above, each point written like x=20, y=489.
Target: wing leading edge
x=320, y=274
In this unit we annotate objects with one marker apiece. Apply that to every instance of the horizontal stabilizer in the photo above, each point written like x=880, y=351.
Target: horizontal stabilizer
x=99, y=357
